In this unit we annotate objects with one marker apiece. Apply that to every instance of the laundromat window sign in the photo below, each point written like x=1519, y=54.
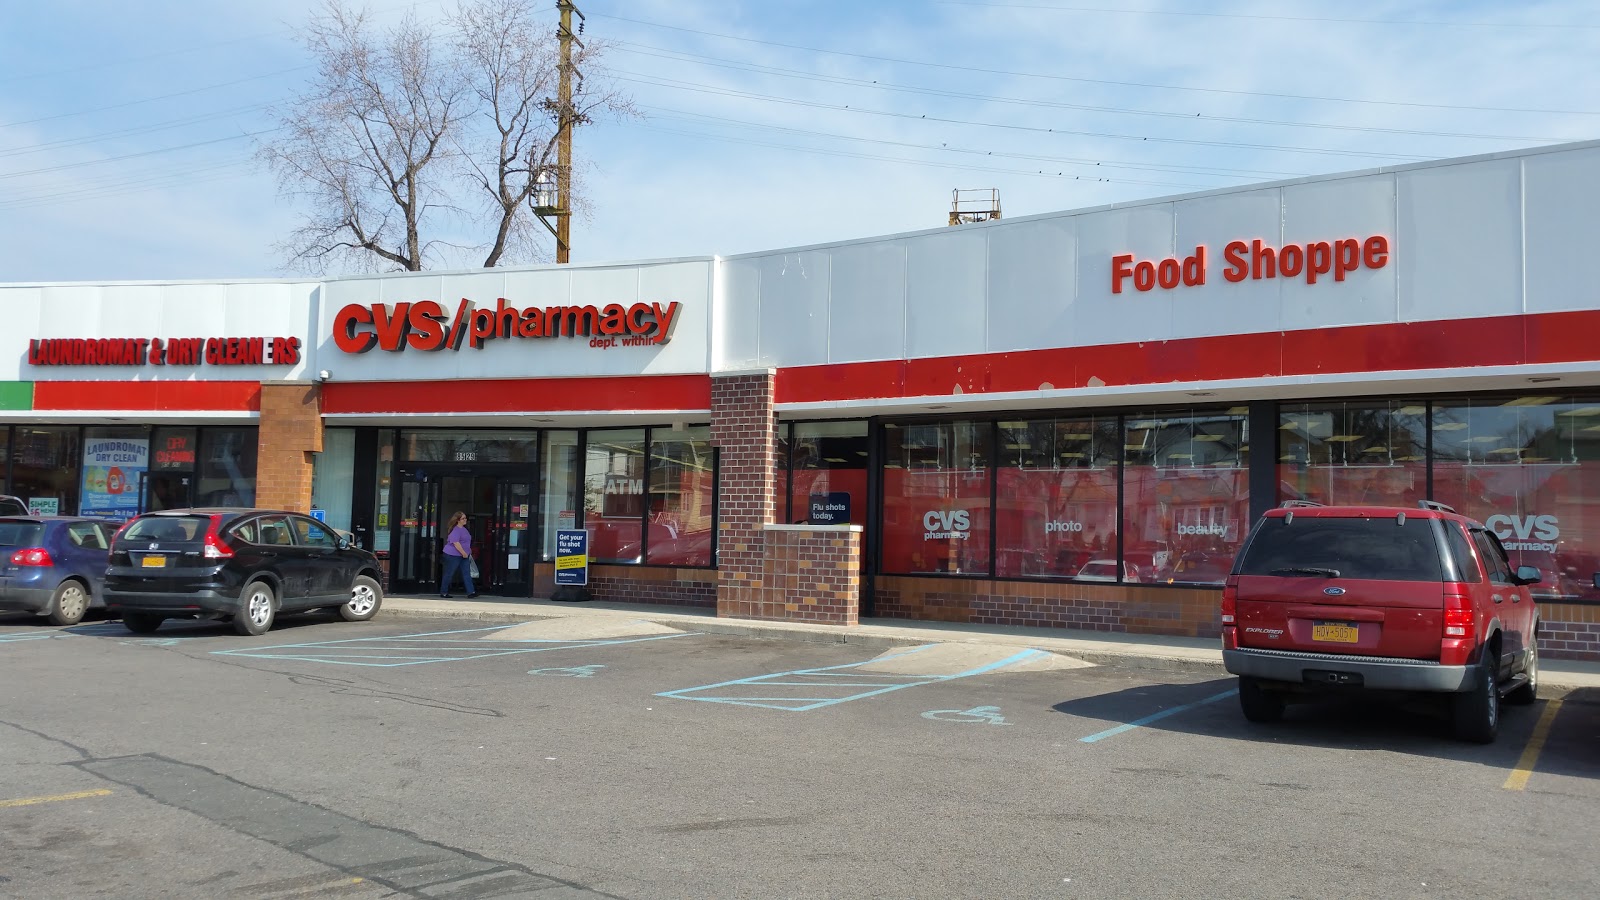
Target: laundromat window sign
x=1255, y=261
x=427, y=326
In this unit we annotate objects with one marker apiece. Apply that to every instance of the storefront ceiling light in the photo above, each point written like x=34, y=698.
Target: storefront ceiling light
x=1530, y=401
x=1591, y=428
x=1016, y=446
x=1535, y=459
x=1580, y=411
x=1238, y=410
x=1209, y=437
x=1072, y=456
x=1288, y=426
x=1506, y=450
x=1133, y=446
x=1450, y=426
x=1411, y=410
x=861, y=453
x=1180, y=456
x=832, y=459
x=1376, y=450
x=1343, y=438
x=1412, y=458
x=1074, y=437
x=1481, y=439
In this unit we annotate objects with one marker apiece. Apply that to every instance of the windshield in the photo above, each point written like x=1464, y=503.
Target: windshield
x=1309, y=546
x=167, y=528
x=20, y=534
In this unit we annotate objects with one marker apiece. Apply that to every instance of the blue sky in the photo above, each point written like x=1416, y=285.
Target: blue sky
x=126, y=147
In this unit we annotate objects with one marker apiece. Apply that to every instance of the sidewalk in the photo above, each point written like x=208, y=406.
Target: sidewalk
x=1135, y=650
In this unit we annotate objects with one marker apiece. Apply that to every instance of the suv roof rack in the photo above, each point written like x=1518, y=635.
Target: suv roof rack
x=1435, y=505
x=1293, y=504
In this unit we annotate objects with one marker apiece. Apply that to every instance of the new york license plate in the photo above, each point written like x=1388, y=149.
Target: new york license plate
x=1336, y=632
x=153, y=562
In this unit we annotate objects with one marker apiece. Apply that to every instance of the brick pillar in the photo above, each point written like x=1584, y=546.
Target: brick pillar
x=745, y=428
x=291, y=430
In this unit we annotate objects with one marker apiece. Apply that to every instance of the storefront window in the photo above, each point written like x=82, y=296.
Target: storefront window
x=115, y=461
x=936, y=498
x=1186, y=494
x=44, y=468
x=614, y=494
x=829, y=481
x=5, y=454
x=1354, y=454
x=226, y=472
x=383, y=502
x=1056, y=491
x=470, y=446
x=558, y=492
x=333, y=476
x=1528, y=467
x=682, y=496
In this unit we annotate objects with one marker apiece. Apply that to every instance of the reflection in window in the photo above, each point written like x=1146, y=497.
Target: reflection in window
x=333, y=476
x=613, y=495
x=1186, y=491
x=227, y=470
x=829, y=484
x=465, y=446
x=1528, y=468
x=682, y=497
x=558, y=493
x=1351, y=454
x=44, y=467
x=1056, y=506
x=936, y=499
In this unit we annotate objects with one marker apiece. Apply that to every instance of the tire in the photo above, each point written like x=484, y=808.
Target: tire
x=1258, y=703
x=1525, y=695
x=1475, y=715
x=258, y=607
x=70, y=602
x=142, y=623
x=366, y=596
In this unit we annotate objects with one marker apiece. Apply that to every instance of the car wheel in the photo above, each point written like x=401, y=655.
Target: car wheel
x=1475, y=715
x=257, y=608
x=1258, y=703
x=365, y=598
x=69, y=604
x=142, y=623
x=1529, y=692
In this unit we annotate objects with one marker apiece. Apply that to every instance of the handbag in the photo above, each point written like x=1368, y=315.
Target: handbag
x=472, y=569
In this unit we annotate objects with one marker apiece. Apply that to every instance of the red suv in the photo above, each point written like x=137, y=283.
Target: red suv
x=1383, y=598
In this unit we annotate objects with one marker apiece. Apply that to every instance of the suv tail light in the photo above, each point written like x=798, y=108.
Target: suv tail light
x=215, y=547
x=1230, y=600
x=32, y=556
x=1459, y=616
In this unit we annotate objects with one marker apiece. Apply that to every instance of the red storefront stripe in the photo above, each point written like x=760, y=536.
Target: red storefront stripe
x=153, y=396
x=1462, y=343
x=649, y=392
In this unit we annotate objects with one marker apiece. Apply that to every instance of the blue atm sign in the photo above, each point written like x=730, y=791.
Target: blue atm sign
x=572, y=558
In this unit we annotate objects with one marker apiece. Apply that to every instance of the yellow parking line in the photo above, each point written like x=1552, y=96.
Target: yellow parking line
x=1530, y=754
x=29, y=801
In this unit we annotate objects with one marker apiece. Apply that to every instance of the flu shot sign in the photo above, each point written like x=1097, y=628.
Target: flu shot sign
x=111, y=473
x=572, y=557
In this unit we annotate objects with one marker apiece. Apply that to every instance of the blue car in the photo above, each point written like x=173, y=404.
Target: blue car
x=53, y=566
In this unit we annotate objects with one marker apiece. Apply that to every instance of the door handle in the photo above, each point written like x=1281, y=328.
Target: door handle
x=1499, y=599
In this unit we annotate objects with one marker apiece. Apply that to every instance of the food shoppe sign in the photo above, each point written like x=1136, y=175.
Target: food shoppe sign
x=1254, y=261
x=427, y=326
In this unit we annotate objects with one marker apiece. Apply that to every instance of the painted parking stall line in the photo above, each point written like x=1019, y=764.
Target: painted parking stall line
x=1156, y=717
x=803, y=690
x=422, y=649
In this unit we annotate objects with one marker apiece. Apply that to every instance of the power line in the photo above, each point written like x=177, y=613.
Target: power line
x=209, y=87
x=658, y=81
x=126, y=132
x=679, y=56
x=1139, y=84
x=96, y=162
x=1214, y=15
x=121, y=186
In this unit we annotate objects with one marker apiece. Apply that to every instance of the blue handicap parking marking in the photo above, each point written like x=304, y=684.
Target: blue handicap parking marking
x=986, y=715
x=421, y=649
x=801, y=690
x=569, y=671
x=20, y=636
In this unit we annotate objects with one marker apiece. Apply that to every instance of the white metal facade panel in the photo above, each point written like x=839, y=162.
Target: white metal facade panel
x=1562, y=199
x=1033, y=272
x=687, y=282
x=794, y=308
x=736, y=329
x=868, y=301
x=1344, y=208
x=1459, y=247
x=1106, y=318
x=946, y=283
x=1220, y=306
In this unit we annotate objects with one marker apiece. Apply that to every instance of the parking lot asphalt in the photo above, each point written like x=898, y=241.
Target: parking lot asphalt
x=442, y=758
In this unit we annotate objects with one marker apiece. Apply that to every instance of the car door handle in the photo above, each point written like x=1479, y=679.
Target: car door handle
x=1499, y=599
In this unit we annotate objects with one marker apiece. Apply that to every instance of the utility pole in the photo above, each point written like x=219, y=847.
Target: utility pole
x=564, y=137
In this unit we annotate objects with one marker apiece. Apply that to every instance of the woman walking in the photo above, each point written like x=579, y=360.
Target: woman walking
x=457, y=556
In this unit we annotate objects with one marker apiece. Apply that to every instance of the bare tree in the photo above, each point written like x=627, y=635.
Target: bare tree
x=415, y=137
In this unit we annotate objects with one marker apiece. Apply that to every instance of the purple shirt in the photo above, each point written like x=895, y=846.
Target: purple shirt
x=458, y=535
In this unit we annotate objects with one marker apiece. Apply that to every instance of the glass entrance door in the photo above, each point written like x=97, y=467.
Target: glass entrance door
x=499, y=508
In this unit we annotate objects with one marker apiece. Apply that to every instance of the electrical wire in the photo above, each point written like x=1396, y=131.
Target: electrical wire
x=96, y=162
x=126, y=132
x=1215, y=15
x=209, y=87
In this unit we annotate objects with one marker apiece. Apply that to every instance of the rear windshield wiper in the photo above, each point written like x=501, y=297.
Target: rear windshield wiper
x=1306, y=570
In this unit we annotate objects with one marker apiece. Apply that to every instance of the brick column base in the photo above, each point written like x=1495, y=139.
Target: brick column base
x=812, y=573
x=291, y=431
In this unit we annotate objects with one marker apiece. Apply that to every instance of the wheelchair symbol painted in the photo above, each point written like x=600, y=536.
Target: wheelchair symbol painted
x=151, y=642
x=981, y=715
x=569, y=671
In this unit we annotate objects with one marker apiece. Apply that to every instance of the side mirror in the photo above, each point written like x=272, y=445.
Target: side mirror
x=1529, y=575
x=344, y=542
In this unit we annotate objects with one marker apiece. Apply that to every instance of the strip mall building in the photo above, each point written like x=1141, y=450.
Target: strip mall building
x=1067, y=419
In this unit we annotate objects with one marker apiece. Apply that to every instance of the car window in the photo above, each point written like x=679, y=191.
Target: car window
x=1494, y=559
x=86, y=535
x=1388, y=548
x=1466, y=565
x=314, y=534
x=167, y=528
x=248, y=531
x=20, y=534
x=11, y=506
x=274, y=531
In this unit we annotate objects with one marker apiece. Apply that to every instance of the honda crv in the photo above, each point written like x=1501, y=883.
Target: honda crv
x=1328, y=598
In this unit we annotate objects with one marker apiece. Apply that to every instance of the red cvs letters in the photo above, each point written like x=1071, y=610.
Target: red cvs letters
x=1254, y=261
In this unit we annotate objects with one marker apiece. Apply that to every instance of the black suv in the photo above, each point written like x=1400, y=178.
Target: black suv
x=12, y=506
x=246, y=565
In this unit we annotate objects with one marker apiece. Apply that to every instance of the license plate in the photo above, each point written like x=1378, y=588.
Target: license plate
x=153, y=562
x=1337, y=632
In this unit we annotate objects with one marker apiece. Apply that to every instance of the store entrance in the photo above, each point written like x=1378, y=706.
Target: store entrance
x=498, y=501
